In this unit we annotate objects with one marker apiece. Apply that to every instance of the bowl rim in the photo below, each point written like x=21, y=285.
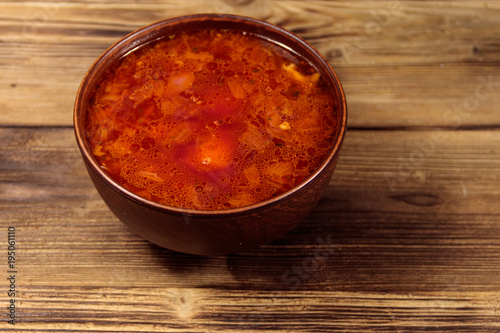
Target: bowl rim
x=259, y=206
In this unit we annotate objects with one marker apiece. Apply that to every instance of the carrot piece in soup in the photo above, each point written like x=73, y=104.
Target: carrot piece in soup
x=254, y=138
x=308, y=123
x=281, y=172
x=241, y=199
x=252, y=175
x=236, y=88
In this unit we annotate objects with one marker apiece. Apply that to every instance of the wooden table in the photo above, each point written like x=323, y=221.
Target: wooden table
x=409, y=228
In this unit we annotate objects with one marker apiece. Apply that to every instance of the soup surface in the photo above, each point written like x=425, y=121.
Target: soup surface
x=211, y=119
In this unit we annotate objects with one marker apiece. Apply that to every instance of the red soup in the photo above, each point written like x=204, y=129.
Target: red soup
x=210, y=119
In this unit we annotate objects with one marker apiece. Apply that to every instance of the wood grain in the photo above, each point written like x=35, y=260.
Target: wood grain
x=423, y=254
x=405, y=239
x=402, y=63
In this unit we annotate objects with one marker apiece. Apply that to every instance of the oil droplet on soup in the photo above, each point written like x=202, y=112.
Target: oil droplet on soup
x=211, y=119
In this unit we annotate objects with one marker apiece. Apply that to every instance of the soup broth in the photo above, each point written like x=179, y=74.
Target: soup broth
x=210, y=119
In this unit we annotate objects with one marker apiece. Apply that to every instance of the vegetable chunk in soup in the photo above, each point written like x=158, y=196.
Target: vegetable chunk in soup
x=211, y=119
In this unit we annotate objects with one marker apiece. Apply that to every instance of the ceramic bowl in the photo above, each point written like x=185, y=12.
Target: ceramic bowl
x=221, y=231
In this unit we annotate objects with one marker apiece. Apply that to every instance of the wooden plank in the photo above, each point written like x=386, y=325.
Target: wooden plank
x=206, y=310
x=431, y=64
x=412, y=175
x=422, y=253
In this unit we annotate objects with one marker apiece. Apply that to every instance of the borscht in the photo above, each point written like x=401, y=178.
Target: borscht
x=210, y=119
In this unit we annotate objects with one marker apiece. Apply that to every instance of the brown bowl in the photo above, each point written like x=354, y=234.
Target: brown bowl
x=222, y=231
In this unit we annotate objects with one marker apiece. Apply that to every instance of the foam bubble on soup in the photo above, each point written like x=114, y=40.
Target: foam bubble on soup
x=210, y=120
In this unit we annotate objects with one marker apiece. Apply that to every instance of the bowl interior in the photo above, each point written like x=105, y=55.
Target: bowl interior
x=165, y=28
